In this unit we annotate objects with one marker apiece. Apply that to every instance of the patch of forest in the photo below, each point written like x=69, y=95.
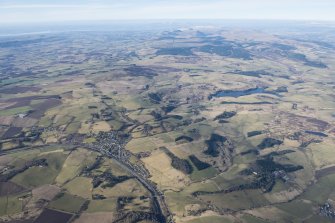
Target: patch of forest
x=200, y=165
x=213, y=145
x=177, y=163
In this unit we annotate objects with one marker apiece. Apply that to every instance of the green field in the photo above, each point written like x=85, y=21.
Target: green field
x=37, y=176
x=11, y=205
x=68, y=203
x=108, y=205
x=15, y=111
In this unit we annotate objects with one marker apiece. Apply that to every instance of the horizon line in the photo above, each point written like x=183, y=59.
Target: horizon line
x=139, y=20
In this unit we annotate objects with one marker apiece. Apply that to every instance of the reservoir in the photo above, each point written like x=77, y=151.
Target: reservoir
x=239, y=93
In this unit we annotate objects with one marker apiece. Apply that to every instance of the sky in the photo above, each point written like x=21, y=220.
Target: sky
x=41, y=11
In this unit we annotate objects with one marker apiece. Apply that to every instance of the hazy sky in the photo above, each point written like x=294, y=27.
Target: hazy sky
x=23, y=11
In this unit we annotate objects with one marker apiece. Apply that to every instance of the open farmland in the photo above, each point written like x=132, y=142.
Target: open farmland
x=168, y=124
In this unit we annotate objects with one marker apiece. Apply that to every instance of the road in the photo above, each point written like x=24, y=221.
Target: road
x=159, y=205
x=158, y=201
